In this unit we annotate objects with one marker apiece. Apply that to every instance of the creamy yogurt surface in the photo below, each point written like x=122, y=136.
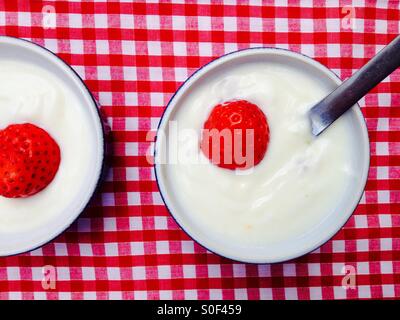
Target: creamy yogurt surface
x=30, y=94
x=298, y=183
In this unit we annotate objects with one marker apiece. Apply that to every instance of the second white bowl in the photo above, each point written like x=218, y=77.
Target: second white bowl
x=279, y=251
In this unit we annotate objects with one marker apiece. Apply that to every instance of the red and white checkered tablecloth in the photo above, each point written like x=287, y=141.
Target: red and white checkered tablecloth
x=133, y=56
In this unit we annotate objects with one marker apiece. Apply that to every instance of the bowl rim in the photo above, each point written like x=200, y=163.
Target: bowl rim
x=99, y=124
x=201, y=72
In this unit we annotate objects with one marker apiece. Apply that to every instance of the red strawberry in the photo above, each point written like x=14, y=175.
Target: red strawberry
x=29, y=160
x=231, y=121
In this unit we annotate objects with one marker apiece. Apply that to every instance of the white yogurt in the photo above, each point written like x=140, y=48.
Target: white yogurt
x=31, y=94
x=298, y=183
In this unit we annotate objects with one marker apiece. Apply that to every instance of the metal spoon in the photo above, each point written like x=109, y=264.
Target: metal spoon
x=325, y=112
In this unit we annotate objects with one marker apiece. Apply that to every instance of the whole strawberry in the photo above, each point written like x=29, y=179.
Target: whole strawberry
x=29, y=160
x=235, y=135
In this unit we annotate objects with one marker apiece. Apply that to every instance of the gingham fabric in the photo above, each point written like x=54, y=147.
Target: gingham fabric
x=133, y=56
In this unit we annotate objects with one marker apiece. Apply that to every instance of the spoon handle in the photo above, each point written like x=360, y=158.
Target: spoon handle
x=353, y=89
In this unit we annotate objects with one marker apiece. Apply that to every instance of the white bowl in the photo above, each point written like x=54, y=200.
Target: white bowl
x=27, y=52
x=317, y=236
